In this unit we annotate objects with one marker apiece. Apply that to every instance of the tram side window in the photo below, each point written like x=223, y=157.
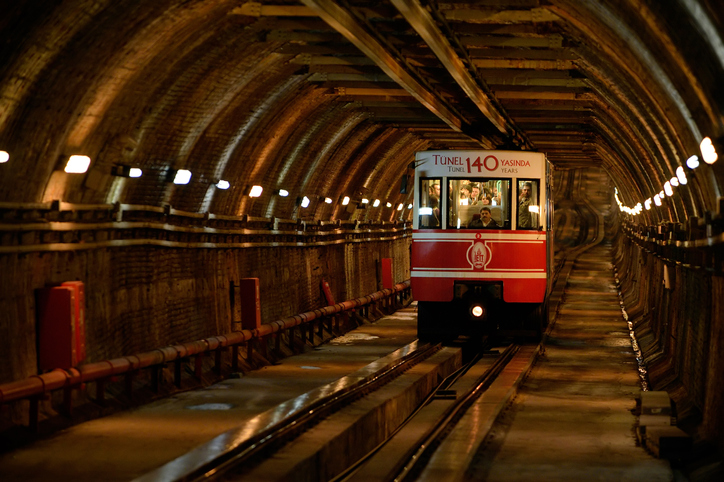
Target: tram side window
x=528, y=203
x=429, y=210
x=479, y=203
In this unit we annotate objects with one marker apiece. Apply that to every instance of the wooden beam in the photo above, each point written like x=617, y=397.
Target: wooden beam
x=356, y=32
x=473, y=15
x=358, y=91
x=324, y=60
x=535, y=95
x=524, y=64
x=423, y=23
x=317, y=50
x=327, y=77
x=496, y=82
x=523, y=54
x=295, y=36
x=256, y=9
x=550, y=42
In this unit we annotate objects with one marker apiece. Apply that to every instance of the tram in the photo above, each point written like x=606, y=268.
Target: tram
x=482, y=243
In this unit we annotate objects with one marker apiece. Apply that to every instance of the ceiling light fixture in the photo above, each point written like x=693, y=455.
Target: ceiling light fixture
x=681, y=175
x=708, y=151
x=256, y=191
x=667, y=189
x=77, y=164
x=183, y=176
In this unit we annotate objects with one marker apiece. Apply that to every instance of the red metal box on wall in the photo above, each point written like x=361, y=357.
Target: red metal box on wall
x=61, y=326
x=79, y=309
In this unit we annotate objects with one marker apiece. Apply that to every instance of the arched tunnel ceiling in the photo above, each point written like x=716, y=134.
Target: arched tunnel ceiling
x=332, y=98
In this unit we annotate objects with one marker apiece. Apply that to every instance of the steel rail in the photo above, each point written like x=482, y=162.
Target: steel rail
x=434, y=436
x=445, y=383
x=264, y=442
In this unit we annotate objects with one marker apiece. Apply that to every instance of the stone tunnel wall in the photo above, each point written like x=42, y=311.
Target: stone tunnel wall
x=680, y=330
x=142, y=298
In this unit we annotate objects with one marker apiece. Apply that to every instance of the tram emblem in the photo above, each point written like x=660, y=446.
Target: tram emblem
x=478, y=255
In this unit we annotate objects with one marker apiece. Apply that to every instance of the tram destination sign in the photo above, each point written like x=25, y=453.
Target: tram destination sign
x=480, y=163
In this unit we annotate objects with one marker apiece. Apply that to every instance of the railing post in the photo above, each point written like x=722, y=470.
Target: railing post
x=68, y=401
x=34, y=413
x=130, y=375
x=291, y=337
x=156, y=378
x=217, y=360
x=199, y=366
x=101, y=391
x=177, y=373
x=235, y=358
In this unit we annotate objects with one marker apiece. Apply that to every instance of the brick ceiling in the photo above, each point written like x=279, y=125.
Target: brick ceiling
x=332, y=98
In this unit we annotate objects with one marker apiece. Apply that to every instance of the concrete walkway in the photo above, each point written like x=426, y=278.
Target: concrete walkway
x=572, y=420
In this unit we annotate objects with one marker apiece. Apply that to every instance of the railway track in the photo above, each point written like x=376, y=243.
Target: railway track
x=380, y=424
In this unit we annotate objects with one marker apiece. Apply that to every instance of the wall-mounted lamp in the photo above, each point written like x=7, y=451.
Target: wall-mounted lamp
x=77, y=164
x=328, y=200
x=657, y=200
x=126, y=171
x=389, y=205
x=223, y=184
x=283, y=192
x=647, y=204
x=376, y=203
x=182, y=176
x=681, y=175
x=667, y=189
x=708, y=151
x=409, y=206
x=256, y=191
x=345, y=201
x=365, y=200
x=305, y=202
x=400, y=206
x=4, y=156
x=693, y=162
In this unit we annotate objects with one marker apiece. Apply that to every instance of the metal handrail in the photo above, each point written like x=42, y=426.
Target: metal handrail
x=37, y=387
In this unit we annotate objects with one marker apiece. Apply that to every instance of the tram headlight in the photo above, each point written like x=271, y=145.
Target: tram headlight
x=477, y=311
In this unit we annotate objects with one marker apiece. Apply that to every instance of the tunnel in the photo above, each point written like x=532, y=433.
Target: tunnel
x=160, y=152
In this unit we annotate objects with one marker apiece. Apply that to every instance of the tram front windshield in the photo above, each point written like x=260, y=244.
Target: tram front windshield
x=479, y=203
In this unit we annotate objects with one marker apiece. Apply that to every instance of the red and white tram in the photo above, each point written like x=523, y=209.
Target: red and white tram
x=481, y=243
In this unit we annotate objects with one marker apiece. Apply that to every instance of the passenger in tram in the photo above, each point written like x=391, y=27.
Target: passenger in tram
x=495, y=197
x=474, y=194
x=484, y=221
x=465, y=194
x=525, y=199
x=435, y=195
